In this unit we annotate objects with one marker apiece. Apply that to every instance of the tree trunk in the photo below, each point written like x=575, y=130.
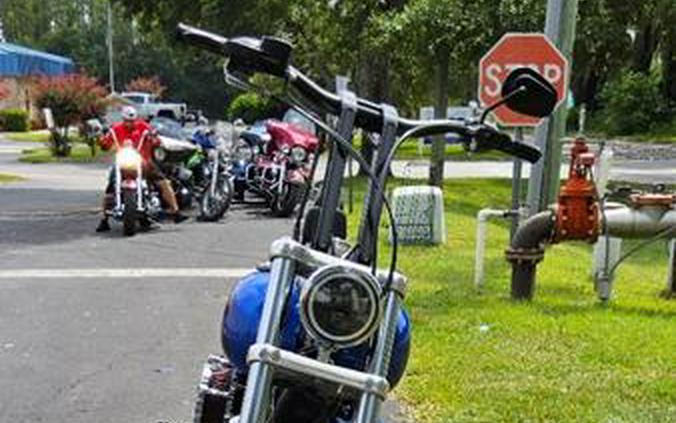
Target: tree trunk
x=439, y=144
x=374, y=85
x=669, y=64
x=645, y=46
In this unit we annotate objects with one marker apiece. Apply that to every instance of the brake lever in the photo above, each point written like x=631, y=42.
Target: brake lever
x=483, y=137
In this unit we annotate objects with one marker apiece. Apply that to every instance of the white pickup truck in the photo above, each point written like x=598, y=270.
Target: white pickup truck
x=148, y=107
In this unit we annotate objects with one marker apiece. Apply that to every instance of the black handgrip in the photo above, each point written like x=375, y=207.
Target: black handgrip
x=487, y=138
x=246, y=54
x=201, y=38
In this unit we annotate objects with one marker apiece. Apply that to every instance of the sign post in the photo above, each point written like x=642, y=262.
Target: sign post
x=544, y=181
x=512, y=51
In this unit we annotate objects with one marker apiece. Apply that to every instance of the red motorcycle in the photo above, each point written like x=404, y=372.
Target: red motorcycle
x=282, y=171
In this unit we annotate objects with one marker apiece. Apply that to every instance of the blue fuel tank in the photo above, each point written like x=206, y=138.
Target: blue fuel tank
x=243, y=312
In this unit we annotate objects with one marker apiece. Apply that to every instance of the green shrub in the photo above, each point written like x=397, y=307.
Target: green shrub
x=632, y=104
x=14, y=120
x=251, y=107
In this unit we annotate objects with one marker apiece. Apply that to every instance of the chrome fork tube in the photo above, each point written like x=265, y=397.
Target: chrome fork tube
x=214, y=178
x=370, y=404
x=256, y=396
x=139, y=188
x=282, y=176
x=118, y=186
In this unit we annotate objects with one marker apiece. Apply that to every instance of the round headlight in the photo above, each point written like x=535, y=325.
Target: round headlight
x=298, y=154
x=160, y=154
x=340, y=306
x=243, y=151
x=128, y=158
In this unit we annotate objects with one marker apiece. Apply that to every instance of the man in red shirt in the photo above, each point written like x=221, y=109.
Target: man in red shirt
x=140, y=133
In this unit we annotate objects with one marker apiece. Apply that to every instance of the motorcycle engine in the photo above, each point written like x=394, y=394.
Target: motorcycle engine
x=183, y=174
x=154, y=204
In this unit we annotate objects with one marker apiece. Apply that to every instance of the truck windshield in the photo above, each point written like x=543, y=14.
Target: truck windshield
x=135, y=98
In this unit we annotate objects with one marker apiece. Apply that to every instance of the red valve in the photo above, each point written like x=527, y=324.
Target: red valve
x=577, y=210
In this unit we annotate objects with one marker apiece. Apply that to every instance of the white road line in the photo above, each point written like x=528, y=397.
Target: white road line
x=184, y=272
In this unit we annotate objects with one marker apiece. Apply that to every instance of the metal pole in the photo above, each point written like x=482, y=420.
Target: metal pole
x=111, y=70
x=544, y=181
x=516, y=187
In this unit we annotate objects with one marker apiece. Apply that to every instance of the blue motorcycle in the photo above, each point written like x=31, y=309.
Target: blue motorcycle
x=319, y=335
x=250, y=143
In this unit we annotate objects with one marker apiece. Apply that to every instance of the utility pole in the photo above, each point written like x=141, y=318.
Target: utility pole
x=2, y=33
x=111, y=70
x=545, y=175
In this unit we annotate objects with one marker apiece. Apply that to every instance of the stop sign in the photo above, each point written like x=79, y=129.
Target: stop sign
x=515, y=50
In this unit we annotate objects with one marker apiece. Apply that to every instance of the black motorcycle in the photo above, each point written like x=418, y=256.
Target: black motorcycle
x=198, y=167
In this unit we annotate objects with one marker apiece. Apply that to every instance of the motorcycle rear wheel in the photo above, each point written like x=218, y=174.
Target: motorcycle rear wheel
x=129, y=214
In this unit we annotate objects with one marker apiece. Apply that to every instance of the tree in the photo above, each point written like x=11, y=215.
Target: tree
x=72, y=99
x=144, y=84
x=4, y=90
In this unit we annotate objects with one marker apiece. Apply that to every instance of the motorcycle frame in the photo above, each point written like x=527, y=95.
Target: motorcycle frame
x=290, y=258
x=119, y=210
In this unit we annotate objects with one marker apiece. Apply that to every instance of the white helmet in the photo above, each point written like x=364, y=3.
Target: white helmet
x=129, y=113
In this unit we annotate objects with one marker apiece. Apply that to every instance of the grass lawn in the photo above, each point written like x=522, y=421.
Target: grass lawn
x=79, y=154
x=27, y=136
x=5, y=178
x=409, y=151
x=479, y=357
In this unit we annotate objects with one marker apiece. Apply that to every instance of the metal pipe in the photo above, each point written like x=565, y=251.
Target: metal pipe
x=643, y=222
x=482, y=218
x=671, y=269
x=527, y=250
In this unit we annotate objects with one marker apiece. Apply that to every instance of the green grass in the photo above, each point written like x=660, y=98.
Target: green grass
x=409, y=151
x=27, y=136
x=6, y=178
x=79, y=154
x=562, y=357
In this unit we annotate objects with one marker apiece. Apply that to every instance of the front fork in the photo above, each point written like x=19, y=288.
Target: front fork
x=257, y=395
x=139, y=188
x=118, y=188
x=370, y=403
x=259, y=381
x=214, y=177
x=282, y=179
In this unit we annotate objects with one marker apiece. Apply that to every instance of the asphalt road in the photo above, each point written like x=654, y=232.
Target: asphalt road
x=98, y=327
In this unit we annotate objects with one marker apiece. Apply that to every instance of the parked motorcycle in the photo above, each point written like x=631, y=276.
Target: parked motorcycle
x=246, y=150
x=281, y=171
x=320, y=336
x=198, y=168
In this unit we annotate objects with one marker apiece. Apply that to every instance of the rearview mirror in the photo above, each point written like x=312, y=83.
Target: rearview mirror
x=525, y=91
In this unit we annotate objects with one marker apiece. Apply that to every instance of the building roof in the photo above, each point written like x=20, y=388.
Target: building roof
x=17, y=60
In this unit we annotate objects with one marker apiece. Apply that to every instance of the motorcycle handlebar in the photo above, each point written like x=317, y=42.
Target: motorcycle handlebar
x=270, y=55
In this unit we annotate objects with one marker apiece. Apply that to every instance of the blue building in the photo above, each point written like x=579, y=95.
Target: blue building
x=18, y=64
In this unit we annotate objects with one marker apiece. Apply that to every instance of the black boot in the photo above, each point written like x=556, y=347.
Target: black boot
x=104, y=226
x=179, y=217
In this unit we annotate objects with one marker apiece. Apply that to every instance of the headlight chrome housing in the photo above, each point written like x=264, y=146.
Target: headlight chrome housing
x=243, y=151
x=128, y=158
x=298, y=154
x=160, y=154
x=340, y=306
